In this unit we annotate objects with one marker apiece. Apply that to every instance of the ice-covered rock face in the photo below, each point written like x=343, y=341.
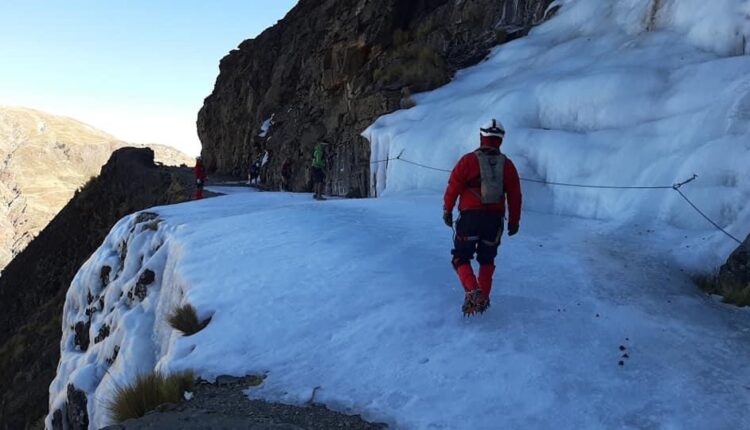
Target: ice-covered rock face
x=114, y=312
x=631, y=92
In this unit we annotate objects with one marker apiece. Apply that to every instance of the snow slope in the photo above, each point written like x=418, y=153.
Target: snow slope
x=629, y=92
x=358, y=297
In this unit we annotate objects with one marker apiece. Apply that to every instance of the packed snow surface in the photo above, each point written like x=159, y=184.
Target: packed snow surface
x=630, y=92
x=358, y=298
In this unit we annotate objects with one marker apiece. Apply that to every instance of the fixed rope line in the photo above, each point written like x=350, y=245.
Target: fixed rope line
x=538, y=181
x=422, y=165
x=706, y=217
x=675, y=187
x=609, y=187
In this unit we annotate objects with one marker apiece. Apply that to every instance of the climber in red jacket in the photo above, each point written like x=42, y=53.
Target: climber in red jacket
x=200, y=178
x=483, y=179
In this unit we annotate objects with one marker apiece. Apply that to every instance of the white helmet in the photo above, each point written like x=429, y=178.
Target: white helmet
x=493, y=128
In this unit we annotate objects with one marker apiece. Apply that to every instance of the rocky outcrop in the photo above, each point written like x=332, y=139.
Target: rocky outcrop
x=734, y=275
x=330, y=68
x=77, y=412
x=33, y=285
x=224, y=405
x=44, y=159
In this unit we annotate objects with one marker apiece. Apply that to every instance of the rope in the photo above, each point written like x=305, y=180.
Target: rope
x=706, y=217
x=538, y=181
x=609, y=187
x=675, y=187
x=422, y=165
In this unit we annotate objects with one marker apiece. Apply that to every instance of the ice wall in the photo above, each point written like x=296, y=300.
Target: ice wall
x=631, y=92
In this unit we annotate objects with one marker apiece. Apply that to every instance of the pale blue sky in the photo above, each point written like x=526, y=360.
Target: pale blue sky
x=138, y=69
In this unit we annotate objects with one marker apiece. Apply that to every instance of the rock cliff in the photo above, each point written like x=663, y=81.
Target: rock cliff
x=330, y=68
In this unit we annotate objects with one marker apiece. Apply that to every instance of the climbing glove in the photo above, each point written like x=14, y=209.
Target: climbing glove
x=448, y=218
x=512, y=229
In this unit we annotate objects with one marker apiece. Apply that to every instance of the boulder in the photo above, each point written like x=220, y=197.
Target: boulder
x=734, y=275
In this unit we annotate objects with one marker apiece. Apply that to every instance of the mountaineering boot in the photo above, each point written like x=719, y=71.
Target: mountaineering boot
x=475, y=301
x=482, y=302
x=485, y=284
x=469, y=307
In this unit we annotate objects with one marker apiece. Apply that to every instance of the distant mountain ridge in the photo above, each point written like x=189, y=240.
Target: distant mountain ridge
x=44, y=158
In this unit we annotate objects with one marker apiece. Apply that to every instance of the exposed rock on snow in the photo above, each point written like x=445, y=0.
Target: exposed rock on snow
x=734, y=275
x=140, y=292
x=76, y=409
x=81, y=329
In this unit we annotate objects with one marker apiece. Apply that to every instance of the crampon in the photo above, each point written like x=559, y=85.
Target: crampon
x=474, y=301
x=482, y=303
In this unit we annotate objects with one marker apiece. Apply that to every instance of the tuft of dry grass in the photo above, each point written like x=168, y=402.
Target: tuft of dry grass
x=707, y=283
x=738, y=297
x=731, y=294
x=148, y=392
x=185, y=319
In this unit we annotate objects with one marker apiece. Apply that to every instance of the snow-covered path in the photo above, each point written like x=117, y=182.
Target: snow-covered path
x=358, y=298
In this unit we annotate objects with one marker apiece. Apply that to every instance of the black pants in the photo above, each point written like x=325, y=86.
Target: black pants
x=318, y=176
x=477, y=231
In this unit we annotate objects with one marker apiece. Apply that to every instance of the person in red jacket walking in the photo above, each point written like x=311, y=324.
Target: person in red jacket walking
x=200, y=178
x=483, y=180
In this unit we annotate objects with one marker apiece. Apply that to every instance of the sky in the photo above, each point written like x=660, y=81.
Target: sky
x=137, y=69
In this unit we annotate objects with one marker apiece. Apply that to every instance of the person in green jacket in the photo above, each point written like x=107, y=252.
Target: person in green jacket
x=318, y=173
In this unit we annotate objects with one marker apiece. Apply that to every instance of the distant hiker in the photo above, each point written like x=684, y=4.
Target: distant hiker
x=286, y=174
x=200, y=178
x=318, y=172
x=253, y=173
x=483, y=179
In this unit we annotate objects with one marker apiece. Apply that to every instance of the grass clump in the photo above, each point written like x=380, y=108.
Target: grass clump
x=148, y=392
x=707, y=283
x=731, y=294
x=737, y=297
x=185, y=319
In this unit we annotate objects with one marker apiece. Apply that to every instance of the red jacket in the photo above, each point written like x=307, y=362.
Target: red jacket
x=465, y=181
x=199, y=172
